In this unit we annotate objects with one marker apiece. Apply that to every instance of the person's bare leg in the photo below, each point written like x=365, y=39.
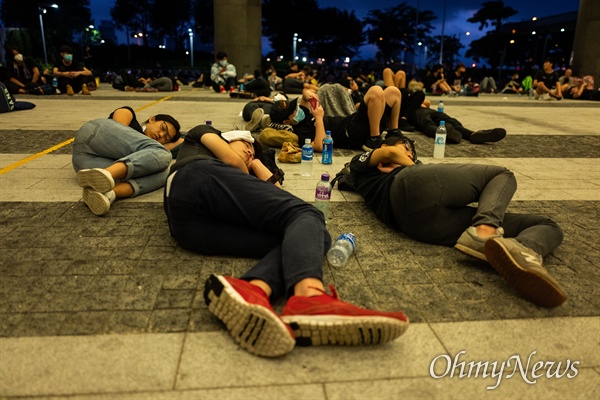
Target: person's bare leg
x=393, y=98
x=118, y=170
x=388, y=77
x=123, y=189
x=375, y=101
x=309, y=287
x=485, y=230
x=400, y=79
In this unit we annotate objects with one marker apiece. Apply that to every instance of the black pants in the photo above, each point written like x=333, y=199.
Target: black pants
x=427, y=120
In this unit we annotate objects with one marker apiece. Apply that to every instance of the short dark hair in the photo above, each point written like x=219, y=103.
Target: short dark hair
x=172, y=121
x=220, y=55
x=392, y=141
x=65, y=49
x=550, y=60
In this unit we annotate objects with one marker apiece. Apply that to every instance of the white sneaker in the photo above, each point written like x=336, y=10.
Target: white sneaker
x=98, y=203
x=96, y=178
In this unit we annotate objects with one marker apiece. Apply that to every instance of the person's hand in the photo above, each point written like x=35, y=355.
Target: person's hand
x=318, y=112
x=262, y=98
x=222, y=70
x=387, y=168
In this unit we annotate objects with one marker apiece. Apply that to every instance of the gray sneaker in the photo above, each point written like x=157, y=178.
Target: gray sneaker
x=255, y=120
x=522, y=268
x=98, y=203
x=472, y=244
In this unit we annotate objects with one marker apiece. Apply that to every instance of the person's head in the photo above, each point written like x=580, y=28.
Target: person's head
x=460, y=67
x=243, y=144
x=66, y=53
x=437, y=69
x=400, y=142
x=568, y=72
x=221, y=58
x=286, y=112
x=163, y=128
x=293, y=66
x=549, y=63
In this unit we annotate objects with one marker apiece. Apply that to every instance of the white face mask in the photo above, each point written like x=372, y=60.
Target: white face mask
x=144, y=128
x=223, y=63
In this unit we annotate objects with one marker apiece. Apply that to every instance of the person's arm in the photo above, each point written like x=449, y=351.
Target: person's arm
x=221, y=149
x=558, y=89
x=389, y=157
x=318, y=113
x=230, y=71
x=85, y=72
x=17, y=82
x=36, y=74
x=171, y=145
x=307, y=94
x=123, y=116
x=261, y=172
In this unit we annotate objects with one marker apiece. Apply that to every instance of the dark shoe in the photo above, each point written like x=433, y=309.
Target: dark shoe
x=394, y=133
x=452, y=135
x=372, y=143
x=522, y=268
x=489, y=135
x=254, y=123
x=472, y=244
x=246, y=311
x=325, y=319
x=405, y=126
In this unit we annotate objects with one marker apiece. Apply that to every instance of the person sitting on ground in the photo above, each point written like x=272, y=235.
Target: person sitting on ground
x=488, y=85
x=435, y=82
x=25, y=75
x=295, y=83
x=581, y=92
x=513, y=86
x=117, y=157
x=248, y=215
x=430, y=203
x=361, y=129
x=458, y=78
x=427, y=120
x=72, y=76
x=546, y=82
x=567, y=81
x=126, y=81
x=222, y=74
x=256, y=85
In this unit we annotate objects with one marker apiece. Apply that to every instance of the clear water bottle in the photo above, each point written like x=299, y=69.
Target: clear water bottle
x=341, y=250
x=55, y=82
x=323, y=195
x=530, y=91
x=327, y=154
x=307, y=158
x=441, y=106
x=440, y=141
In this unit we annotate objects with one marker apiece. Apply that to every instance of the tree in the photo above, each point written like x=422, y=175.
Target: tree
x=493, y=11
x=452, y=47
x=171, y=18
x=392, y=37
x=203, y=12
x=134, y=15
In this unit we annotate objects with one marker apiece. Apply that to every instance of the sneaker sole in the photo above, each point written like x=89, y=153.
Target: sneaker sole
x=320, y=330
x=255, y=328
x=98, y=203
x=98, y=179
x=469, y=251
x=254, y=122
x=530, y=285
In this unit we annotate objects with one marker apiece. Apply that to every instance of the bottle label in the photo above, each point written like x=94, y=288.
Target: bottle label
x=349, y=237
x=327, y=153
x=307, y=154
x=440, y=139
x=322, y=193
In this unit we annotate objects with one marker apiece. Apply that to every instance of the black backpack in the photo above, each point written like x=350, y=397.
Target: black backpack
x=7, y=102
x=344, y=179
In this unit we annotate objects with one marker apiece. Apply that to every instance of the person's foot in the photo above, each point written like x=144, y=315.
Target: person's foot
x=246, y=311
x=522, y=268
x=487, y=135
x=85, y=90
x=255, y=120
x=325, y=319
x=472, y=244
x=372, y=143
x=129, y=89
x=96, y=178
x=222, y=89
x=98, y=203
x=265, y=121
x=403, y=125
x=453, y=136
x=70, y=91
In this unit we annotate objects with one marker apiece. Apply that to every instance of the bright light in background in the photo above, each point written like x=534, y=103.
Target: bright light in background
x=468, y=33
x=534, y=19
x=512, y=41
x=562, y=29
x=533, y=33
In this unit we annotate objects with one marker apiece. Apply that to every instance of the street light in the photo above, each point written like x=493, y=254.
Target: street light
x=296, y=40
x=42, y=10
x=191, y=45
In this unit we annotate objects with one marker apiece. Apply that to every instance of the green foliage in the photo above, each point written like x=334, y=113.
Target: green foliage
x=171, y=18
x=134, y=15
x=452, y=47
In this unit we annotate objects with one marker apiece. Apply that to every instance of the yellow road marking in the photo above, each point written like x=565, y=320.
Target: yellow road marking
x=58, y=146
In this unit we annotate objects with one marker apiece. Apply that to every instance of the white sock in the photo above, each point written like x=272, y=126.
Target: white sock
x=111, y=196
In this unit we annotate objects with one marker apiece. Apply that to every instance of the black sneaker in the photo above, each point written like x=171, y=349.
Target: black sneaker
x=394, y=133
x=403, y=125
x=372, y=143
x=489, y=135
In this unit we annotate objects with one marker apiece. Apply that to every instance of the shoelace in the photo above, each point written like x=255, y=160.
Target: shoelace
x=333, y=294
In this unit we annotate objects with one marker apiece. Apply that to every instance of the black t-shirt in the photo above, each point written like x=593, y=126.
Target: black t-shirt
x=134, y=124
x=75, y=66
x=548, y=79
x=374, y=186
x=455, y=78
x=337, y=126
x=18, y=72
x=192, y=148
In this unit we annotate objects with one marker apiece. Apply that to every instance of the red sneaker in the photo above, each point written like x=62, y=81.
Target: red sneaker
x=325, y=319
x=249, y=317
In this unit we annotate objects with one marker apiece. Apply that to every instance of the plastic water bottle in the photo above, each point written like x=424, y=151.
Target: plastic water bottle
x=530, y=94
x=307, y=157
x=55, y=82
x=441, y=106
x=323, y=195
x=327, y=154
x=440, y=141
x=341, y=250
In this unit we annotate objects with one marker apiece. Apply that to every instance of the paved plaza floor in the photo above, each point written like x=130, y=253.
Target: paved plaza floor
x=111, y=308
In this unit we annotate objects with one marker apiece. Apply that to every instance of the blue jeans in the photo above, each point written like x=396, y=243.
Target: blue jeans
x=214, y=208
x=430, y=204
x=102, y=142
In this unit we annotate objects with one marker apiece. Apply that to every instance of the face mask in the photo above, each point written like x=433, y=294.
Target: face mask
x=18, y=57
x=299, y=115
x=68, y=57
x=223, y=63
x=144, y=128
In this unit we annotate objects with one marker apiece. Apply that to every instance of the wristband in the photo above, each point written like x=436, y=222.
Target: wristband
x=275, y=177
